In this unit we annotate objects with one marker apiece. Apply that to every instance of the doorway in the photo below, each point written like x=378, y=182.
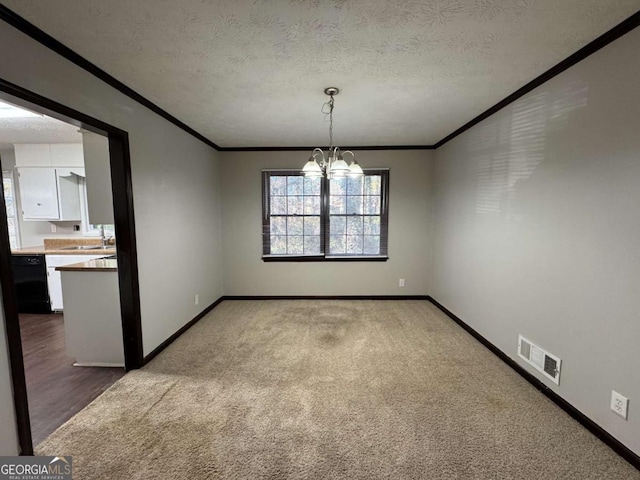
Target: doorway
x=127, y=270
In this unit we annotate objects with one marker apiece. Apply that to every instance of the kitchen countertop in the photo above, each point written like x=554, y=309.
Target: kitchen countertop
x=61, y=251
x=97, y=265
x=57, y=246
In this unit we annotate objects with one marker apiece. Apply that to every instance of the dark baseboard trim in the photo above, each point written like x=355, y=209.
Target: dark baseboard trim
x=602, y=41
x=184, y=328
x=585, y=421
x=326, y=297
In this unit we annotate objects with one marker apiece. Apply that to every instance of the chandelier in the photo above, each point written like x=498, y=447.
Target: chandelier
x=332, y=164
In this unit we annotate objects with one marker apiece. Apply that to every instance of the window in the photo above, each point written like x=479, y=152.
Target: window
x=312, y=218
x=10, y=200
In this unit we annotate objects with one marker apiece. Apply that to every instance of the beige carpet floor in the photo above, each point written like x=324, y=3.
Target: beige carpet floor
x=328, y=390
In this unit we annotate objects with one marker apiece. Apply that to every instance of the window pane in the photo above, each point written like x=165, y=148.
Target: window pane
x=312, y=245
x=354, y=244
x=371, y=245
x=312, y=225
x=278, y=225
x=354, y=185
x=337, y=244
x=337, y=205
x=294, y=225
x=354, y=205
x=295, y=206
x=338, y=225
x=7, y=187
x=278, y=186
x=354, y=209
x=354, y=226
x=295, y=245
x=311, y=205
x=311, y=185
x=278, y=205
x=278, y=245
x=294, y=185
x=372, y=205
x=337, y=186
x=371, y=225
x=372, y=184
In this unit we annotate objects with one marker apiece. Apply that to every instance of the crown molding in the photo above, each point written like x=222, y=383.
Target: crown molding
x=299, y=149
x=603, y=40
x=48, y=41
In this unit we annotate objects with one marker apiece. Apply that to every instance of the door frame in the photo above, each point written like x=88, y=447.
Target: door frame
x=123, y=212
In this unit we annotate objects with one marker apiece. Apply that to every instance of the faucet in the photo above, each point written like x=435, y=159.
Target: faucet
x=103, y=237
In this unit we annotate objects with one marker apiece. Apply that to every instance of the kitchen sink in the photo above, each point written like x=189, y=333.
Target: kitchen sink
x=89, y=247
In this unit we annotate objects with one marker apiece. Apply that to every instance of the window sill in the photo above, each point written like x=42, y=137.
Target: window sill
x=321, y=258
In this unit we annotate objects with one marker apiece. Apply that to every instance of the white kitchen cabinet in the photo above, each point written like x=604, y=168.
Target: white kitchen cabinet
x=68, y=194
x=54, y=283
x=38, y=193
x=49, y=193
x=67, y=155
x=49, y=155
x=53, y=276
x=32, y=155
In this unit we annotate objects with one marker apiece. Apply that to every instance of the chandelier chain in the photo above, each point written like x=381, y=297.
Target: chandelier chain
x=331, y=122
x=327, y=109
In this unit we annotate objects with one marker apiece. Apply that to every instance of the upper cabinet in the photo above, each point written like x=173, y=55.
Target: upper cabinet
x=49, y=155
x=33, y=155
x=38, y=193
x=52, y=180
x=98, y=178
x=66, y=155
x=49, y=193
x=48, y=176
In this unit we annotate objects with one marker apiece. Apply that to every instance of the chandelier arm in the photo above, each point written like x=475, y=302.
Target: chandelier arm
x=353, y=155
x=318, y=152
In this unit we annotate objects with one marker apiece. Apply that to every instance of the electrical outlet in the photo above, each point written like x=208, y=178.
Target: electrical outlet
x=401, y=282
x=619, y=404
x=196, y=299
x=54, y=229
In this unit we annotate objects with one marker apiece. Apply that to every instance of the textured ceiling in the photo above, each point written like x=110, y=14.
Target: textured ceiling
x=251, y=73
x=36, y=130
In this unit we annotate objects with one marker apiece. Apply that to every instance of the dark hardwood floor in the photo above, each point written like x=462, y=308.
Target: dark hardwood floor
x=56, y=389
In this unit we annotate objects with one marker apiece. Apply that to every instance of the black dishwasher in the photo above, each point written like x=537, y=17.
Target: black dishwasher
x=30, y=280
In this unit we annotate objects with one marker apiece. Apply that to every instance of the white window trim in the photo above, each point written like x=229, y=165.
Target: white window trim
x=14, y=214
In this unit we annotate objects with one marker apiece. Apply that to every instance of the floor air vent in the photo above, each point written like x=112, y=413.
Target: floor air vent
x=543, y=361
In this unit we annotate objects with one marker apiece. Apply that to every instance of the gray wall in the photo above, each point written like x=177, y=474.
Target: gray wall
x=409, y=231
x=175, y=187
x=536, y=229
